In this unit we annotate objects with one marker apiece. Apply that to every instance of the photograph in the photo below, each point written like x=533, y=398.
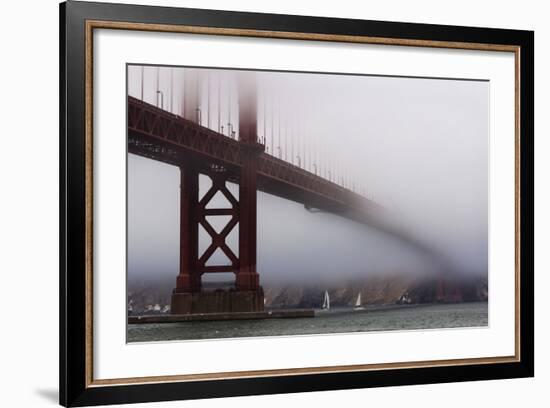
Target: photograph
x=256, y=203
x=286, y=203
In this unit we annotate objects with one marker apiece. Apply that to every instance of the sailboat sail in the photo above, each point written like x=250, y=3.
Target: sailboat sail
x=326, y=301
x=358, y=301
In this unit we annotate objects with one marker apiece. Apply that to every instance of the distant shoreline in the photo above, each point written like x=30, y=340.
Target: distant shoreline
x=336, y=321
x=271, y=313
x=384, y=307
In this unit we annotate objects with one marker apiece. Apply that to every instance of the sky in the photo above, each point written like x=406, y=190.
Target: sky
x=417, y=146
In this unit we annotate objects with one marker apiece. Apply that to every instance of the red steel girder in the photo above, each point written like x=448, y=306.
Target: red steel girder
x=219, y=179
x=164, y=136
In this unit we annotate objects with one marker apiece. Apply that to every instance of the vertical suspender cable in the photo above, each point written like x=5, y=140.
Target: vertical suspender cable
x=265, y=112
x=158, y=88
x=229, y=108
x=279, y=127
x=183, y=94
x=171, y=90
x=142, y=75
x=219, y=102
x=199, y=99
x=208, y=99
x=272, y=123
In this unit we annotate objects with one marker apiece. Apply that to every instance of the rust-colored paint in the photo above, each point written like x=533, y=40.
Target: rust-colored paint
x=189, y=279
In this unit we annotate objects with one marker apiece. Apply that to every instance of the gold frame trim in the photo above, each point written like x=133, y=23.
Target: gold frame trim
x=99, y=24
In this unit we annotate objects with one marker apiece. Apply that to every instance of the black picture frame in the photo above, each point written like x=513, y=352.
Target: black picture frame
x=75, y=389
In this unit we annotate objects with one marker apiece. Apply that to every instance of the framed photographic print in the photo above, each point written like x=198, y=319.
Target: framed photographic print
x=255, y=203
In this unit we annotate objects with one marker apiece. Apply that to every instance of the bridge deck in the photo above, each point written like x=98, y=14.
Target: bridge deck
x=163, y=136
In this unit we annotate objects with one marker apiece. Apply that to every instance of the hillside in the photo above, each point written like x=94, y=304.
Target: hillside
x=379, y=289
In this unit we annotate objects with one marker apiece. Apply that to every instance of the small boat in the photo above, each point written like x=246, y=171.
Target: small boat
x=326, y=301
x=358, y=303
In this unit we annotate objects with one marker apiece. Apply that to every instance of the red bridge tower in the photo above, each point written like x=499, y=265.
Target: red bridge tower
x=247, y=296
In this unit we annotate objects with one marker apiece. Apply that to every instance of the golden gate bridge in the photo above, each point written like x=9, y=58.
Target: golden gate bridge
x=254, y=150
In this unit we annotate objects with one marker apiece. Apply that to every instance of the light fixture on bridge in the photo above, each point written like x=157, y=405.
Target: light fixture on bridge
x=199, y=116
x=161, y=99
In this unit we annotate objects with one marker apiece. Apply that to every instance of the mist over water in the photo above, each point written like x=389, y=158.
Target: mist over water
x=418, y=147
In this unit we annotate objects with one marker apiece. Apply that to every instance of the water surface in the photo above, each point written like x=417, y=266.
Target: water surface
x=392, y=318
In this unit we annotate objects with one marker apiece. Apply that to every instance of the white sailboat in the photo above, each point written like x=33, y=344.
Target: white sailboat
x=358, y=302
x=326, y=301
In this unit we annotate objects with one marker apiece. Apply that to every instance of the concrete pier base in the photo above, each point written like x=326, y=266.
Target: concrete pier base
x=219, y=301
